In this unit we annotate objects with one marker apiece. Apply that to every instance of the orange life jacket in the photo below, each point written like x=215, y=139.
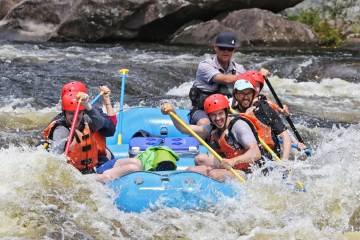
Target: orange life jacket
x=264, y=131
x=101, y=143
x=227, y=145
x=83, y=151
x=84, y=148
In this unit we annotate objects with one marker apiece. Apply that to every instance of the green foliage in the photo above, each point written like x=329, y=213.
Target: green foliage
x=356, y=26
x=328, y=35
x=332, y=20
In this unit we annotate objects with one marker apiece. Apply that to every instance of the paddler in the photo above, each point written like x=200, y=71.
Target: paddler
x=87, y=150
x=232, y=137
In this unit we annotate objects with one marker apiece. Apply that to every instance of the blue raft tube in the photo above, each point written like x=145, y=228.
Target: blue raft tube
x=143, y=190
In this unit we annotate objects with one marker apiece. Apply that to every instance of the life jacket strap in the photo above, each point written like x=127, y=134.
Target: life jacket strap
x=86, y=148
x=86, y=161
x=86, y=136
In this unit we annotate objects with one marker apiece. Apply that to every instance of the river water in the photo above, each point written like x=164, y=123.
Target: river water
x=41, y=197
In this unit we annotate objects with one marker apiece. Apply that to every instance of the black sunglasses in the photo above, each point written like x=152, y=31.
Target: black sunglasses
x=229, y=49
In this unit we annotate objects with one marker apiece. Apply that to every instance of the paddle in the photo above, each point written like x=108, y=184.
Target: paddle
x=123, y=72
x=273, y=154
x=72, y=127
x=180, y=121
x=97, y=97
x=288, y=119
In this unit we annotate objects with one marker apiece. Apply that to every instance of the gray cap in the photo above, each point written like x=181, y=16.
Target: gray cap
x=225, y=39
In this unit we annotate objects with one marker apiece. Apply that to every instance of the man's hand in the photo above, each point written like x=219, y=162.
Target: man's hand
x=106, y=95
x=228, y=163
x=84, y=97
x=301, y=146
x=284, y=111
x=166, y=108
x=264, y=72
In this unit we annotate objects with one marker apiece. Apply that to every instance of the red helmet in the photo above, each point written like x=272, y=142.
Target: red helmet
x=257, y=77
x=247, y=76
x=215, y=103
x=69, y=102
x=74, y=86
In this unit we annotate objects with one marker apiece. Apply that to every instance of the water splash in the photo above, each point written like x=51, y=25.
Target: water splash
x=44, y=197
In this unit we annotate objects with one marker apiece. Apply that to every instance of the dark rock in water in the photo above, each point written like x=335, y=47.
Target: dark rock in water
x=351, y=44
x=253, y=27
x=346, y=71
x=148, y=20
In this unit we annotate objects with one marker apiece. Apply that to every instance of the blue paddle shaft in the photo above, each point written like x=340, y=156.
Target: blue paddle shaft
x=95, y=99
x=122, y=96
x=307, y=151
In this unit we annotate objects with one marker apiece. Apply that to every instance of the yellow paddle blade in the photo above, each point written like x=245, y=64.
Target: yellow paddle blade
x=301, y=186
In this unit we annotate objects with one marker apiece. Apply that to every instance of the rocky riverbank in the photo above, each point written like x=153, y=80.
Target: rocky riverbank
x=181, y=22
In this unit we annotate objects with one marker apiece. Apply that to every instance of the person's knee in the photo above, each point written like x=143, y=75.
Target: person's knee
x=197, y=160
x=200, y=159
x=132, y=168
x=104, y=177
x=136, y=162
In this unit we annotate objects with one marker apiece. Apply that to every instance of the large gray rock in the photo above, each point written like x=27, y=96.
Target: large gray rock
x=113, y=20
x=252, y=27
x=6, y=5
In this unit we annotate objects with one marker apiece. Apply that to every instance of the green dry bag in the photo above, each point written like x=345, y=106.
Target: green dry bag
x=158, y=158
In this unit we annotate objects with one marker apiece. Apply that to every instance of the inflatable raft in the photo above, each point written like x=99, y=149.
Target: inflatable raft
x=139, y=191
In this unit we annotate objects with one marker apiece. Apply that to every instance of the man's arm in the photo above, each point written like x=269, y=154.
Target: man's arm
x=94, y=118
x=60, y=136
x=200, y=130
x=286, y=144
x=251, y=155
x=108, y=129
x=224, y=78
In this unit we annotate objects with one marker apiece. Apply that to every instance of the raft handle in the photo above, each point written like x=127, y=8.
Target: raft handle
x=164, y=178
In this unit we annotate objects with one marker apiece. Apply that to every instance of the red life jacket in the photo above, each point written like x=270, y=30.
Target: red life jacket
x=227, y=145
x=84, y=148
